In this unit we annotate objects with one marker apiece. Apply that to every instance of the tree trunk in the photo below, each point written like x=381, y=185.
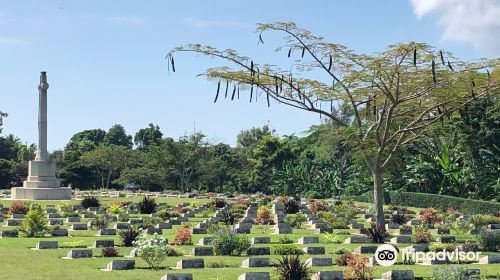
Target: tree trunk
x=378, y=198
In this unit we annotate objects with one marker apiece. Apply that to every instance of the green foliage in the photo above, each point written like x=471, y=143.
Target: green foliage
x=227, y=243
x=333, y=221
x=90, y=201
x=424, y=200
x=146, y=137
x=129, y=236
x=109, y=252
x=489, y=240
x=117, y=136
x=296, y=220
x=452, y=272
x=287, y=250
x=99, y=222
x=376, y=234
x=35, y=223
x=153, y=251
x=292, y=268
x=147, y=205
x=437, y=247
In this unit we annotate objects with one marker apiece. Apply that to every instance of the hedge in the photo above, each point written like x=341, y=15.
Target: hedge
x=427, y=200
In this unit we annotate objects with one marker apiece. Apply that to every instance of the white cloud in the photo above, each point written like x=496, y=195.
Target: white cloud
x=128, y=20
x=475, y=22
x=202, y=23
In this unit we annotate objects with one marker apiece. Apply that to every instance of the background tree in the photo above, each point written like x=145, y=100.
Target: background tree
x=147, y=136
x=117, y=135
x=108, y=161
x=395, y=95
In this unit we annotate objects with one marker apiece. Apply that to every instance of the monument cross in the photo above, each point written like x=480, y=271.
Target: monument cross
x=42, y=183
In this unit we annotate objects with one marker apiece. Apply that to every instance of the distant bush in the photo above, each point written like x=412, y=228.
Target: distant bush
x=128, y=236
x=182, y=237
x=438, y=247
x=109, y=252
x=292, y=205
x=357, y=268
x=227, y=243
x=147, y=205
x=287, y=250
x=296, y=220
x=90, y=201
x=292, y=268
x=99, y=222
x=424, y=200
x=264, y=216
x=429, y=216
x=19, y=207
x=423, y=236
x=318, y=206
x=489, y=240
x=343, y=258
x=35, y=223
x=453, y=272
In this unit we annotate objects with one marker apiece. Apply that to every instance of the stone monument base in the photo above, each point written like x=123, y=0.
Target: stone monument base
x=41, y=193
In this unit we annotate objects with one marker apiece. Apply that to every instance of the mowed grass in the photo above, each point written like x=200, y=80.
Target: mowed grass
x=19, y=261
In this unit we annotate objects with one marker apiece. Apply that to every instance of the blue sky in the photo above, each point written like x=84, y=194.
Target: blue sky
x=105, y=59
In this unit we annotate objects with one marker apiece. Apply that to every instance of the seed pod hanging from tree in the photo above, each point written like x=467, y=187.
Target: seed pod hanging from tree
x=415, y=56
x=303, y=51
x=488, y=72
x=289, y=52
x=449, y=66
x=251, y=68
x=251, y=93
x=260, y=39
x=173, y=64
x=227, y=87
x=234, y=93
x=434, y=71
x=330, y=64
x=268, y=102
x=217, y=94
x=238, y=92
x=442, y=57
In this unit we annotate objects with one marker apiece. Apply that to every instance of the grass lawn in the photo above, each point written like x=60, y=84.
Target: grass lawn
x=19, y=261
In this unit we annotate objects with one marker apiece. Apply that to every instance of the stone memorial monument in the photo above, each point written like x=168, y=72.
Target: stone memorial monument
x=42, y=183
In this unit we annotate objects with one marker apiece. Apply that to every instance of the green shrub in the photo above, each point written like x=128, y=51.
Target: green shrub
x=227, y=243
x=90, y=201
x=128, y=236
x=454, y=272
x=425, y=200
x=35, y=223
x=438, y=247
x=292, y=268
x=333, y=221
x=287, y=250
x=489, y=240
x=147, y=205
x=109, y=252
x=296, y=220
x=99, y=222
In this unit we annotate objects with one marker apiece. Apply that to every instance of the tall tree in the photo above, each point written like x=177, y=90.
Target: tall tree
x=248, y=139
x=95, y=136
x=117, y=135
x=147, y=136
x=395, y=95
x=108, y=161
